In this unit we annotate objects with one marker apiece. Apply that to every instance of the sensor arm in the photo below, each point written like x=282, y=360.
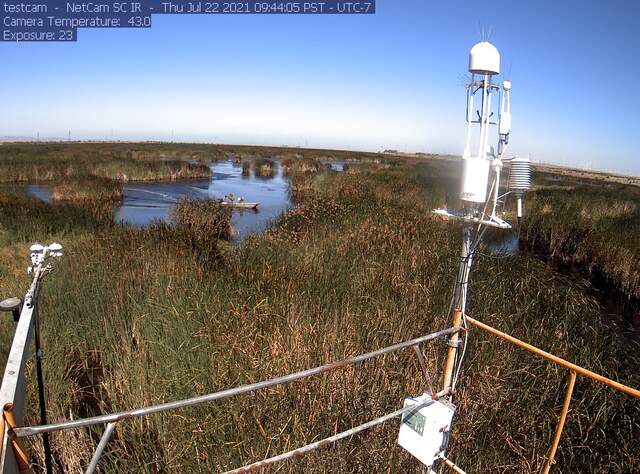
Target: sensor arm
x=504, y=129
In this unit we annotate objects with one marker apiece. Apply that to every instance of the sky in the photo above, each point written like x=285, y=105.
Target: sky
x=393, y=80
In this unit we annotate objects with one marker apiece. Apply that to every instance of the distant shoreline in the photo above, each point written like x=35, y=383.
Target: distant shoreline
x=570, y=171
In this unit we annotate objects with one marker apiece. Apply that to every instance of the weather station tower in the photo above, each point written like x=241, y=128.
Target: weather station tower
x=425, y=432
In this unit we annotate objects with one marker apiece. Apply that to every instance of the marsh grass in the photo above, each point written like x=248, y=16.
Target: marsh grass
x=203, y=224
x=27, y=219
x=302, y=173
x=595, y=228
x=265, y=167
x=58, y=162
x=136, y=317
x=292, y=165
x=88, y=188
x=118, y=169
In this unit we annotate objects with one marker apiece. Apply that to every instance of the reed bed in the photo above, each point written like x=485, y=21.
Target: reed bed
x=596, y=228
x=89, y=188
x=136, y=317
x=26, y=219
x=264, y=167
x=117, y=169
x=33, y=162
x=293, y=164
x=206, y=217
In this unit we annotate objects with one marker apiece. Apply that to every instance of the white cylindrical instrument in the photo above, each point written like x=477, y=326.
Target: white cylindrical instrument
x=475, y=176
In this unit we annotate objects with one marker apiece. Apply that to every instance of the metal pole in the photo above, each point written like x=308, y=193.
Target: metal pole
x=464, y=274
x=21, y=459
x=461, y=293
x=100, y=449
x=231, y=392
x=555, y=359
x=451, y=465
x=423, y=366
x=256, y=466
x=563, y=418
x=451, y=352
x=41, y=392
x=12, y=391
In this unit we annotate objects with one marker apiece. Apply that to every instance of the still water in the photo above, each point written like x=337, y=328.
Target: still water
x=504, y=243
x=148, y=202
x=145, y=203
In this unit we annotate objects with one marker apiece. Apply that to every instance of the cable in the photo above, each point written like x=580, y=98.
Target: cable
x=462, y=285
x=454, y=380
x=460, y=361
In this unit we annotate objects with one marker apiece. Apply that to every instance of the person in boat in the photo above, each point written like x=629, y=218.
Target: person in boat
x=240, y=199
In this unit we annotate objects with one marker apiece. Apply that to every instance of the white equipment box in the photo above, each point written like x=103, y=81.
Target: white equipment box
x=424, y=432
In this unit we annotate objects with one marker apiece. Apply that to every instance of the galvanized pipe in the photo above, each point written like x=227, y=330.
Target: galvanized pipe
x=232, y=392
x=256, y=466
x=106, y=436
x=423, y=366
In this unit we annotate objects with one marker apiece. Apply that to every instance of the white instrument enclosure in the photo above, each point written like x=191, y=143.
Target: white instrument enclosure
x=425, y=432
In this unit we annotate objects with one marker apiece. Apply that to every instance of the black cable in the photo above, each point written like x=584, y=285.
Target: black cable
x=41, y=393
x=465, y=280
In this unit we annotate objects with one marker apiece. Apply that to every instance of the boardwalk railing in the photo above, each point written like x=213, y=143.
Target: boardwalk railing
x=13, y=431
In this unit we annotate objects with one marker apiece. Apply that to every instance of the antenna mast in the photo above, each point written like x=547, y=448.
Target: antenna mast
x=480, y=198
x=481, y=169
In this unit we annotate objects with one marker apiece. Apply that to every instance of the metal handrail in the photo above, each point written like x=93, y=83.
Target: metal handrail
x=12, y=389
x=555, y=359
x=574, y=370
x=332, y=439
x=112, y=419
x=95, y=459
x=232, y=392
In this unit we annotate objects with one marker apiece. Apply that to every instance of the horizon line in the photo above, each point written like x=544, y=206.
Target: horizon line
x=388, y=152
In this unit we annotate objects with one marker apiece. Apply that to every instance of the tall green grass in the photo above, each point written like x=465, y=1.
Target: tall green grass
x=26, y=219
x=136, y=317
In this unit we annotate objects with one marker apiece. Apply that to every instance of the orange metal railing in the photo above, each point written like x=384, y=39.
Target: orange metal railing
x=574, y=370
x=8, y=425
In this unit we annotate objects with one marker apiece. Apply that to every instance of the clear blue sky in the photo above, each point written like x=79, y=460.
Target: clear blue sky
x=390, y=80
